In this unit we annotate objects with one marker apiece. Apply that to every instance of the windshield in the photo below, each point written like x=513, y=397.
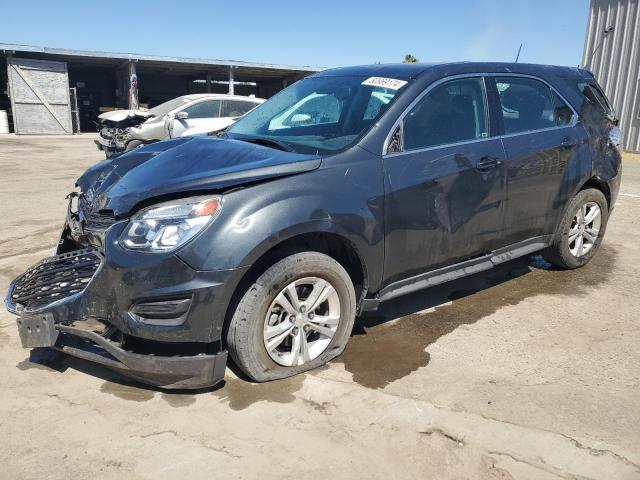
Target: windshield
x=164, y=108
x=319, y=114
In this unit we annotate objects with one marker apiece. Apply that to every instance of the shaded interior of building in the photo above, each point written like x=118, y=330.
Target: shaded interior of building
x=102, y=83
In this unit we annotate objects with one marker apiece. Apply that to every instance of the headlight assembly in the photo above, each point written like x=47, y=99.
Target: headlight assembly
x=167, y=226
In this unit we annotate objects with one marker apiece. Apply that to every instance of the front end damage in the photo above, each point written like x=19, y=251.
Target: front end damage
x=113, y=141
x=157, y=317
x=147, y=317
x=113, y=128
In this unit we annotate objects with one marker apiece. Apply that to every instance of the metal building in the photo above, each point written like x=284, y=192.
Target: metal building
x=52, y=90
x=612, y=53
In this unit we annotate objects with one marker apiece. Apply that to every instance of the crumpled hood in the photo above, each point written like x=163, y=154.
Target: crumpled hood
x=123, y=118
x=182, y=166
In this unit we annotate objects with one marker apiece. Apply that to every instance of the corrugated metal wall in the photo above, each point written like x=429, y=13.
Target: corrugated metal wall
x=614, y=58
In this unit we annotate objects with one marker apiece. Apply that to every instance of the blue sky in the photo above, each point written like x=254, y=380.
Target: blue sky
x=322, y=33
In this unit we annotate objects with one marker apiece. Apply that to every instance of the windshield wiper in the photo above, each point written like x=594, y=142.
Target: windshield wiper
x=268, y=142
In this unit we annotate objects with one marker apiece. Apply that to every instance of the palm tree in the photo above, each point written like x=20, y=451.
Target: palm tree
x=408, y=58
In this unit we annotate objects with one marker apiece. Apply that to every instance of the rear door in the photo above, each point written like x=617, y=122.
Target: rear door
x=444, y=181
x=542, y=140
x=236, y=108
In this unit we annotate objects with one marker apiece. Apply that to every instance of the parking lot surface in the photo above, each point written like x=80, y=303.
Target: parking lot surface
x=520, y=372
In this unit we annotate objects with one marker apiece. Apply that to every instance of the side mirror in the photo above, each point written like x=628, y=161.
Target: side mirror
x=181, y=116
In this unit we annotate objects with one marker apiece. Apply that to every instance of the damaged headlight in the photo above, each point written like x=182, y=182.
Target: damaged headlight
x=167, y=226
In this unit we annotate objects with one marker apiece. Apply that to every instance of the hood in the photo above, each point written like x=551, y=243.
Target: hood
x=123, y=118
x=184, y=166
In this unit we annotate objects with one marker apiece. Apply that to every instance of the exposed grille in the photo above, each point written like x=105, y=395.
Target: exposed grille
x=94, y=220
x=55, y=278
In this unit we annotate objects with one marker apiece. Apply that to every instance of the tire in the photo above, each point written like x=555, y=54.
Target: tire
x=248, y=328
x=563, y=252
x=132, y=145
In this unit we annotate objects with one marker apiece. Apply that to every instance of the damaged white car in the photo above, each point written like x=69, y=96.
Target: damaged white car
x=124, y=130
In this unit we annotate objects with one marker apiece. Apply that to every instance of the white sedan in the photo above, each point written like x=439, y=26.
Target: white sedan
x=124, y=130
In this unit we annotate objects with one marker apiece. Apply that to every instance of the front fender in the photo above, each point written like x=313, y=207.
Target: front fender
x=256, y=219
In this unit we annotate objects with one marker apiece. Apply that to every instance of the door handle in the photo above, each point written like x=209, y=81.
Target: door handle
x=488, y=162
x=568, y=142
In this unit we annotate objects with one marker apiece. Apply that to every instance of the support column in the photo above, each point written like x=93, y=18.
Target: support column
x=133, y=85
x=208, y=83
x=231, y=81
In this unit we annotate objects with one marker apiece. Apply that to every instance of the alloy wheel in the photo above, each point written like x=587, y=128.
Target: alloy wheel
x=585, y=228
x=301, y=321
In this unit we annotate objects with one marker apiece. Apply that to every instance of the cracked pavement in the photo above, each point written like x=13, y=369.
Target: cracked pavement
x=522, y=372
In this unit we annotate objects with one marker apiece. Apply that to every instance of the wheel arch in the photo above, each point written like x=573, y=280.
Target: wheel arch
x=598, y=184
x=332, y=244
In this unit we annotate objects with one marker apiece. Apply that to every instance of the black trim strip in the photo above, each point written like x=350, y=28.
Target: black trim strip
x=458, y=270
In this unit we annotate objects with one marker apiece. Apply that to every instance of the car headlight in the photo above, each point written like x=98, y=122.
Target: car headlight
x=166, y=226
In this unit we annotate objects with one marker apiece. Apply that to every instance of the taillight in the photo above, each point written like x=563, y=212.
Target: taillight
x=615, y=136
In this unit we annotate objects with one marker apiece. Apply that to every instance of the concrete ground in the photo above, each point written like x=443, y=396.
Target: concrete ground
x=521, y=372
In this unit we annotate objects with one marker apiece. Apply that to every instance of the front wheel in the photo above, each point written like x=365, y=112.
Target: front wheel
x=580, y=231
x=296, y=316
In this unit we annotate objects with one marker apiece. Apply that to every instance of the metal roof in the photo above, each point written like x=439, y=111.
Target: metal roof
x=160, y=62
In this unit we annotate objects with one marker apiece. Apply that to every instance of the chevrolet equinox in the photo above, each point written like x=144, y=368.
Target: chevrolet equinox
x=349, y=188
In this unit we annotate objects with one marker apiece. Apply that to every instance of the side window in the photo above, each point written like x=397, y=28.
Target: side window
x=207, y=109
x=314, y=109
x=529, y=104
x=452, y=112
x=236, y=108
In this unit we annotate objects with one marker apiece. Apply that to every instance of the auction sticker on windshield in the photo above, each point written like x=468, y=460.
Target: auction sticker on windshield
x=392, y=83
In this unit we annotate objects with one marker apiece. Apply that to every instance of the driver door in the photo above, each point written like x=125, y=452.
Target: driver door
x=445, y=187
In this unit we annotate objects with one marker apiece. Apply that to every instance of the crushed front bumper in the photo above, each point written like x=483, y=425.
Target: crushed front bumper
x=89, y=340
x=61, y=299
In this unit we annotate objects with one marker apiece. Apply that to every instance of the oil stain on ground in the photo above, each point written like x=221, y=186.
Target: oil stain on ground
x=178, y=400
x=380, y=351
x=241, y=394
x=138, y=392
x=128, y=392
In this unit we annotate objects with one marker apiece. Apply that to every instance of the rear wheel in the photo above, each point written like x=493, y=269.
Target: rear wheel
x=296, y=316
x=580, y=231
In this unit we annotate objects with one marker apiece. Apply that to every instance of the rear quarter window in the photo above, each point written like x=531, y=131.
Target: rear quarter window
x=236, y=108
x=596, y=98
x=529, y=104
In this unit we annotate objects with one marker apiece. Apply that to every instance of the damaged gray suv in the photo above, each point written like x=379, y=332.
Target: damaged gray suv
x=349, y=188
